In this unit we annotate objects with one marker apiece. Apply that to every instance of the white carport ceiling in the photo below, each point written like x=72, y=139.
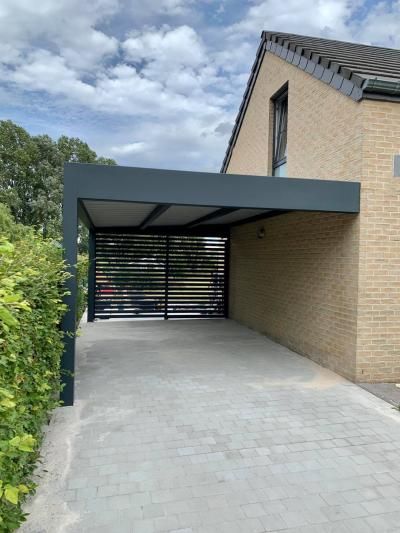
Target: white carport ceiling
x=113, y=214
x=133, y=214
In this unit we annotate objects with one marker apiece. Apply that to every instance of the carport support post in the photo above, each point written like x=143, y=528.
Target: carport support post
x=166, y=295
x=70, y=237
x=91, y=275
x=227, y=267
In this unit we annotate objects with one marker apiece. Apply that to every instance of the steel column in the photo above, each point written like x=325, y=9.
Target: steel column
x=227, y=267
x=91, y=276
x=166, y=277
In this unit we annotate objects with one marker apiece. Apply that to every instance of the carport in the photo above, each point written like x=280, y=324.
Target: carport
x=159, y=239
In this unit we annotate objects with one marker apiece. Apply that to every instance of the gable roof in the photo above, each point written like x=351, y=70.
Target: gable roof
x=356, y=70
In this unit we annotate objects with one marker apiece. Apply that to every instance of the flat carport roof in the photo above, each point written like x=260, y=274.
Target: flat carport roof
x=142, y=200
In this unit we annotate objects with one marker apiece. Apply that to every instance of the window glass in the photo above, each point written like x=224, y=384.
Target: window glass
x=281, y=171
x=280, y=135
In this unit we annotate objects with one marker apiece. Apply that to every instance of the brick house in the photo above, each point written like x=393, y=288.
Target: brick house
x=326, y=285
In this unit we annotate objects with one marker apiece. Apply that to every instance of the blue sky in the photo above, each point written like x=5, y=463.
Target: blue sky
x=155, y=83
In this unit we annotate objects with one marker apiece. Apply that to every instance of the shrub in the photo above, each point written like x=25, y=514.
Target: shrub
x=32, y=276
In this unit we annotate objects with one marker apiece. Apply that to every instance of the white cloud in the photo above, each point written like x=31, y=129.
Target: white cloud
x=120, y=90
x=140, y=10
x=174, y=56
x=381, y=26
x=176, y=7
x=44, y=71
x=307, y=17
x=173, y=85
x=190, y=138
x=128, y=149
x=91, y=52
x=354, y=20
x=168, y=75
x=66, y=26
x=180, y=46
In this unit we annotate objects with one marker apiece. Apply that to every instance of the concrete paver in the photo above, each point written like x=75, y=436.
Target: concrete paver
x=206, y=426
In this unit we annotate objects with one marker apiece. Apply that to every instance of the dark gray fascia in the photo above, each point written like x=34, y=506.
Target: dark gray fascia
x=180, y=187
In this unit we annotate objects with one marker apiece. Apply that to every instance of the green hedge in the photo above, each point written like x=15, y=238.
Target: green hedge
x=32, y=275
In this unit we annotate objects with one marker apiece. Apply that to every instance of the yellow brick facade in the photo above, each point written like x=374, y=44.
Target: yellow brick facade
x=378, y=335
x=326, y=285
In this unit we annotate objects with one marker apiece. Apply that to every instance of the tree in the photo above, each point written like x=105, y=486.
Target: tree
x=17, y=150
x=45, y=206
x=31, y=174
x=74, y=150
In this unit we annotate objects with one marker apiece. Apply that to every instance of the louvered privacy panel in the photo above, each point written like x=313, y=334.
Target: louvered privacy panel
x=160, y=276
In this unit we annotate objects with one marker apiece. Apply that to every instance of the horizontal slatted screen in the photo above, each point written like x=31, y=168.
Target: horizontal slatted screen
x=159, y=276
x=130, y=275
x=196, y=281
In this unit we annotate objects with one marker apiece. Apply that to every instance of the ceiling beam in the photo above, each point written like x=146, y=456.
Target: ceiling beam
x=211, y=216
x=206, y=230
x=157, y=211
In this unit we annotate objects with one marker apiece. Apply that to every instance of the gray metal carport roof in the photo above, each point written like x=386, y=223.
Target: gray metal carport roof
x=142, y=200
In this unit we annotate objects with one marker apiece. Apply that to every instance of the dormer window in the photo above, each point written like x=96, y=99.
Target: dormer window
x=279, y=162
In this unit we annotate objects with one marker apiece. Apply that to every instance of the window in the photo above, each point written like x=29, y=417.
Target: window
x=279, y=162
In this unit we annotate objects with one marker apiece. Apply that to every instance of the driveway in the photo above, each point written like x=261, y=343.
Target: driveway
x=208, y=427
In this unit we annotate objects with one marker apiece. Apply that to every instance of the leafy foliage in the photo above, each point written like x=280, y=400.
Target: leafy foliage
x=32, y=276
x=31, y=170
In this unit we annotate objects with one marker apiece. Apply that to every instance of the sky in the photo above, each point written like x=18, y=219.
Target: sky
x=155, y=83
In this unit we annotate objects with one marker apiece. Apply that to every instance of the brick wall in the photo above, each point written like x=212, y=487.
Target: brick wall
x=324, y=127
x=378, y=336
x=299, y=284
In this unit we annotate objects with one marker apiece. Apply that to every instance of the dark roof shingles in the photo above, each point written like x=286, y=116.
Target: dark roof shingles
x=342, y=57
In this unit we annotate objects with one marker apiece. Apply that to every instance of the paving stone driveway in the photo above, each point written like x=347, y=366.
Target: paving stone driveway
x=208, y=427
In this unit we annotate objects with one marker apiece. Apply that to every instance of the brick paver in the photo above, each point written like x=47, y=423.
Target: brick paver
x=205, y=427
